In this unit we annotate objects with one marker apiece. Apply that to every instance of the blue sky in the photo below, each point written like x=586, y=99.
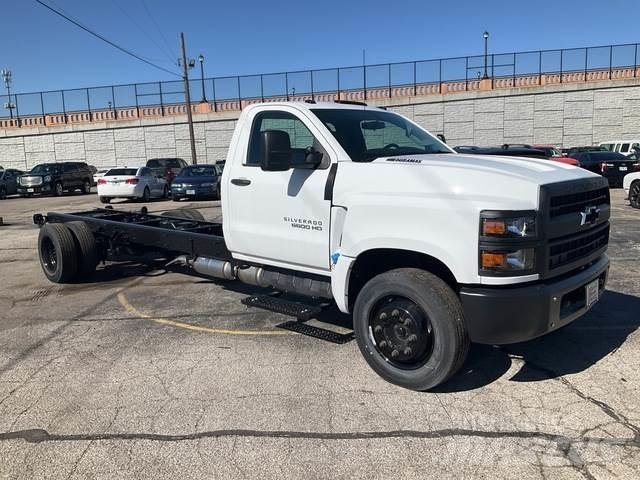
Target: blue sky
x=241, y=37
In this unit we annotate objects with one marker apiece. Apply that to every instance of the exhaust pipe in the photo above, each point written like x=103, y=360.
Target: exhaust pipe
x=257, y=276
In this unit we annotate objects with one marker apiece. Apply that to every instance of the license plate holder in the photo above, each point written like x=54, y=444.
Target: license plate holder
x=191, y=192
x=29, y=190
x=592, y=291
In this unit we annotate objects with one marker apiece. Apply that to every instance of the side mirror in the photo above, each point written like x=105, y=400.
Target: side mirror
x=441, y=137
x=276, y=151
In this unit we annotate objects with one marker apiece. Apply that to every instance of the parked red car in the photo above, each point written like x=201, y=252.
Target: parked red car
x=554, y=153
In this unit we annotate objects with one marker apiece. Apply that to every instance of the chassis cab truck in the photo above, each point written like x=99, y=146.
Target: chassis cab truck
x=428, y=249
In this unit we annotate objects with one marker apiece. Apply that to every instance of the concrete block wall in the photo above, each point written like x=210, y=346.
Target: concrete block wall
x=562, y=115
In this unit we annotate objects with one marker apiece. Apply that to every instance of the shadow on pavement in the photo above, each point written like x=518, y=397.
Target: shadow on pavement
x=571, y=349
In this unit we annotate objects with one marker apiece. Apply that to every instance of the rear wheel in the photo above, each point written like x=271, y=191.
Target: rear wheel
x=57, y=251
x=634, y=194
x=218, y=193
x=165, y=192
x=105, y=199
x=410, y=328
x=146, y=195
x=86, y=187
x=87, y=248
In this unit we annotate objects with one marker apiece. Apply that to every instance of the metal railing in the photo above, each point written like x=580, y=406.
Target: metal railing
x=441, y=75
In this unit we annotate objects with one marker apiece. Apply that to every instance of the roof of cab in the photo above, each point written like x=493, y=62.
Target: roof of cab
x=316, y=105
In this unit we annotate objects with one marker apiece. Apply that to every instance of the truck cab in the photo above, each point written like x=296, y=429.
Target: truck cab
x=427, y=248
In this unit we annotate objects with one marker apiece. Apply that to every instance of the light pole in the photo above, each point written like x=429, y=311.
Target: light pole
x=6, y=76
x=186, y=65
x=485, y=35
x=201, y=60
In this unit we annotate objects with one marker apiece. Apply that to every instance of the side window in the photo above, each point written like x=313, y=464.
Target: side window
x=69, y=168
x=625, y=148
x=299, y=135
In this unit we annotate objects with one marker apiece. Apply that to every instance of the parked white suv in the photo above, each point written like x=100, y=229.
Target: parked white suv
x=631, y=185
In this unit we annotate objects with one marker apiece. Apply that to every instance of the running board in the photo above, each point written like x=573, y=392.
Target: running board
x=278, y=305
x=316, y=332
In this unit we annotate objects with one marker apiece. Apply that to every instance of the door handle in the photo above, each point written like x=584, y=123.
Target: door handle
x=241, y=182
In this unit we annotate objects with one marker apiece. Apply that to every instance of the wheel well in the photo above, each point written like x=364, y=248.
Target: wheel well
x=374, y=262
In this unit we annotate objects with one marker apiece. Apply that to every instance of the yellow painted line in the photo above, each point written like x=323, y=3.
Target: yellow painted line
x=196, y=328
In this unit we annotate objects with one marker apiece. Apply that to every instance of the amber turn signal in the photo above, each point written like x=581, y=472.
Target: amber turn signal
x=493, y=260
x=493, y=227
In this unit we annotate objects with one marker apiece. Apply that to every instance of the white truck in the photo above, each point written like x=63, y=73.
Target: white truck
x=428, y=249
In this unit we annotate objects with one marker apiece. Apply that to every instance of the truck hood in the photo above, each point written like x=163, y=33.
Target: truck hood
x=531, y=170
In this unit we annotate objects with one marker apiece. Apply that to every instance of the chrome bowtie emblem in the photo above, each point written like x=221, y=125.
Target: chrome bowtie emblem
x=589, y=215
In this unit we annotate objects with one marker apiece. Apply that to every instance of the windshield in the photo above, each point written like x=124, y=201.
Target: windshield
x=369, y=134
x=46, y=168
x=163, y=162
x=121, y=171
x=198, y=172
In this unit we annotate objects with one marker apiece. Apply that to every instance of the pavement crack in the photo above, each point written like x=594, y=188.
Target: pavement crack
x=38, y=435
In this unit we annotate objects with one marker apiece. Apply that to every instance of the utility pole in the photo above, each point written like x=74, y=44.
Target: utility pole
x=6, y=76
x=187, y=96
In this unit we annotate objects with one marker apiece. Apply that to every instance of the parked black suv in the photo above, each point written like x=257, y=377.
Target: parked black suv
x=56, y=178
x=8, y=181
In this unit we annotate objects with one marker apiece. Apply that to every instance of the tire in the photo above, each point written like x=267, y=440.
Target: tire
x=218, y=193
x=146, y=195
x=634, y=194
x=175, y=199
x=86, y=186
x=58, y=189
x=3, y=193
x=188, y=213
x=105, y=199
x=165, y=192
x=86, y=248
x=58, y=253
x=400, y=304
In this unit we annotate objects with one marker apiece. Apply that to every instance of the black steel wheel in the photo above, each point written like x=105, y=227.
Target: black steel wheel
x=57, y=251
x=410, y=328
x=634, y=194
x=401, y=332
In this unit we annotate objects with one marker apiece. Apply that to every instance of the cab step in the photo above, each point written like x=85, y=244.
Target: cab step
x=298, y=310
x=317, y=332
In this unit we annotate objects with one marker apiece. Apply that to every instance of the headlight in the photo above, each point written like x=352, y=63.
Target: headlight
x=508, y=227
x=47, y=178
x=176, y=185
x=207, y=184
x=501, y=261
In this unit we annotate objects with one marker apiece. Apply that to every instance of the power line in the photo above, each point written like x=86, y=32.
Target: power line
x=106, y=40
x=144, y=31
x=162, y=36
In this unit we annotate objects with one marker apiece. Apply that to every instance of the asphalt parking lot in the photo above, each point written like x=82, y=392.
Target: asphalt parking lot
x=146, y=373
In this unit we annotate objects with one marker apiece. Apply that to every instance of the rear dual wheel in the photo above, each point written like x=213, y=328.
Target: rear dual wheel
x=410, y=328
x=67, y=251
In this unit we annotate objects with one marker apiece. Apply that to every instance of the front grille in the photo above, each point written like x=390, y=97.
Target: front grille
x=575, y=247
x=30, y=181
x=577, y=202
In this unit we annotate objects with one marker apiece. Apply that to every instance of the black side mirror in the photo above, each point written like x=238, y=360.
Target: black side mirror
x=276, y=151
x=441, y=137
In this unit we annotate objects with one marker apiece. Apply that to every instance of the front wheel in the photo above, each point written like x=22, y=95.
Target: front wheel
x=58, y=189
x=165, y=192
x=634, y=194
x=410, y=328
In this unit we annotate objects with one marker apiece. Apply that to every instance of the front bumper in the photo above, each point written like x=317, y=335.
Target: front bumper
x=195, y=191
x=32, y=189
x=515, y=314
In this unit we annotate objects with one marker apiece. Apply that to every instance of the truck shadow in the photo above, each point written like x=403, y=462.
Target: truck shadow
x=571, y=349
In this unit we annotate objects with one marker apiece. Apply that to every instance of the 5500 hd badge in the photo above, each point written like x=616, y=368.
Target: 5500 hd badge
x=304, y=223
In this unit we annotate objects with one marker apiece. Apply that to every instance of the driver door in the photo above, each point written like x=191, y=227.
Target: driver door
x=280, y=218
